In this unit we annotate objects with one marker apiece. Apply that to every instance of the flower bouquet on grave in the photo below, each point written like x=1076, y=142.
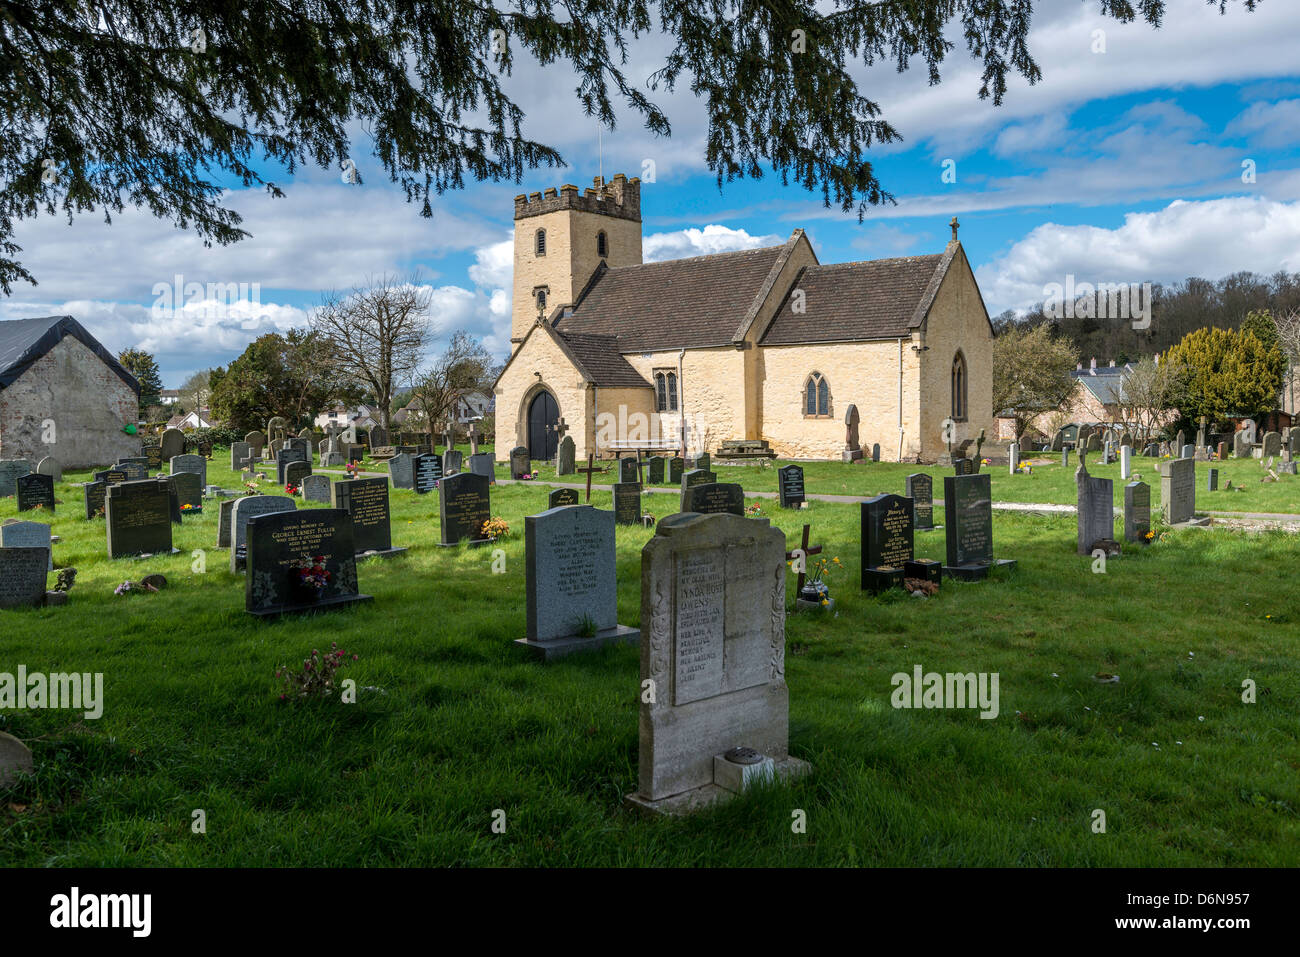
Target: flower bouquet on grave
x=352, y=469
x=291, y=490
x=495, y=528
x=309, y=578
x=815, y=589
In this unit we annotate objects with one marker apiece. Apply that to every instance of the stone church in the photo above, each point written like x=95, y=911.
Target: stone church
x=766, y=345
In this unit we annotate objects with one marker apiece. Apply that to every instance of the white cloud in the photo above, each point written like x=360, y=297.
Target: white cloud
x=683, y=243
x=1209, y=238
x=1268, y=124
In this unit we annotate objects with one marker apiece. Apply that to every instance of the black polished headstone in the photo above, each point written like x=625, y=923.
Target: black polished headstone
x=676, y=466
x=520, y=465
x=562, y=496
x=714, y=497
x=656, y=471
x=282, y=460
x=919, y=487
x=428, y=472
x=138, y=518
x=464, y=506
x=789, y=483
x=627, y=503
x=280, y=542
x=887, y=537
x=34, y=490
x=366, y=501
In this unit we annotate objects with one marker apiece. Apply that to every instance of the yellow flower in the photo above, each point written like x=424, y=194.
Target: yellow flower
x=825, y=601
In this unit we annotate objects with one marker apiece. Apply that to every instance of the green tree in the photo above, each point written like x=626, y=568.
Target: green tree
x=145, y=100
x=1260, y=322
x=278, y=375
x=1227, y=372
x=142, y=365
x=1031, y=373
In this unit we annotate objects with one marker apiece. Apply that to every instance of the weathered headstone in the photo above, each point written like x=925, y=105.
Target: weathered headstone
x=627, y=503
x=692, y=478
x=10, y=469
x=1272, y=444
x=34, y=490
x=428, y=472
x=464, y=506
x=1137, y=511
x=656, y=470
x=28, y=535
x=852, y=443
x=1241, y=445
x=963, y=466
x=1013, y=458
x=241, y=456
x=225, y=512
x=704, y=462
x=919, y=487
x=482, y=463
x=15, y=757
x=968, y=520
x=257, y=443
x=875, y=452
x=316, y=488
x=571, y=582
x=1212, y=480
x=295, y=472
x=565, y=457
x=628, y=471
x=195, y=464
x=138, y=517
x=282, y=546
x=1096, y=509
x=1187, y=452
x=789, y=486
x=22, y=576
x=1125, y=462
x=94, y=498
x=245, y=509
x=520, y=465
x=50, y=466
x=1178, y=490
x=153, y=457
x=676, y=468
x=713, y=613
x=173, y=444
x=366, y=501
x=887, y=536
x=283, y=458
x=452, y=461
x=560, y=497
x=401, y=469
x=711, y=497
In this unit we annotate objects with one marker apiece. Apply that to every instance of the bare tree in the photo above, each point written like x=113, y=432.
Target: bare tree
x=195, y=391
x=1150, y=391
x=377, y=334
x=1288, y=337
x=1031, y=374
x=465, y=367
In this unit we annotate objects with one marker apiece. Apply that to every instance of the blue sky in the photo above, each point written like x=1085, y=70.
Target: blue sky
x=1119, y=166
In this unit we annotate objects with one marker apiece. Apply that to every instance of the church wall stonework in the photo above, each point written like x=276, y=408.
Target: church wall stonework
x=711, y=391
x=864, y=374
x=87, y=402
x=957, y=320
x=519, y=384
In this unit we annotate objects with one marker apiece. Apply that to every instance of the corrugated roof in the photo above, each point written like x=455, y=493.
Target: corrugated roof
x=681, y=303
x=878, y=299
x=23, y=341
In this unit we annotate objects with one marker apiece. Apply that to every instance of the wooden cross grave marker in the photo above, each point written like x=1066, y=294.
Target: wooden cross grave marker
x=591, y=459
x=806, y=551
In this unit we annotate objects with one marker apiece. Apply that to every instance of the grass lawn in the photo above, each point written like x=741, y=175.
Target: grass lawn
x=1048, y=483
x=1186, y=773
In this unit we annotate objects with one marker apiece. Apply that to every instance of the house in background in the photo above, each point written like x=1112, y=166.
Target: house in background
x=169, y=396
x=190, y=420
x=363, y=417
x=62, y=394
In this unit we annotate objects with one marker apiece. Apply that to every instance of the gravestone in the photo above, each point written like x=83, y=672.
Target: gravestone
x=676, y=468
x=34, y=490
x=302, y=445
x=1152, y=450
x=464, y=506
x=1241, y=446
x=1125, y=462
x=10, y=469
x=963, y=466
x=452, y=461
x=1187, y=452
x=189, y=463
x=131, y=471
x=1272, y=444
x=968, y=517
x=852, y=443
x=316, y=488
x=1094, y=442
x=401, y=469
x=225, y=512
x=173, y=499
x=428, y=471
x=1013, y=458
x=887, y=535
x=1223, y=451
x=241, y=456
x=875, y=452
x=153, y=457
x=627, y=503
x=173, y=444
x=295, y=472
x=1058, y=441
x=482, y=463
x=703, y=462
x=280, y=543
x=1212, y=480
x=919, y=487
x=1293, y=439
x=15, y=757
x=1178, y=490
x=113, y=476
x=139, y=460
x=520, y=465
x=188, y=491
x=628, y=471
x=283, y=458
x=692, y=478
x=94, y=497
x=656, y=471
x=560, y=497
x=22, y=577
x=789, y=486
x=50, y=466
x=565, y=457
x=713, y=613
x=571, y=582
x=247, y=508
x=366, y=501
x=1065, y=458
x=1096, y=510
x=355, y=451
x=712, y=497
x=1137, y=511
x=15, y=534
x=138, y=517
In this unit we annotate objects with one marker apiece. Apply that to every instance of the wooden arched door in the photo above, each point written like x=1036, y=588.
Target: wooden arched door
x=543, y=417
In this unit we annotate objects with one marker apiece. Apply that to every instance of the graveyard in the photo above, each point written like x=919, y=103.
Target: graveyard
x=1120, y=689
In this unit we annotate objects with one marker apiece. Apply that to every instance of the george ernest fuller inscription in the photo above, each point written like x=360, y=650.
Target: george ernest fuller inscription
x=713, y=647
x=572, y=588
x=282, y=544
x=463, y=508
x=366, y=501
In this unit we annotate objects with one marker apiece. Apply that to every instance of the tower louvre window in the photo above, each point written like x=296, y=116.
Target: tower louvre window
x=602, y=245
x=540, y=243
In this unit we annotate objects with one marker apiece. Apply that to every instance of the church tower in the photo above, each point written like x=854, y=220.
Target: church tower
x=560, y=239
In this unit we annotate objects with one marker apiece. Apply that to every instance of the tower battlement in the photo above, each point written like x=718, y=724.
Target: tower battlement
x=620, y=197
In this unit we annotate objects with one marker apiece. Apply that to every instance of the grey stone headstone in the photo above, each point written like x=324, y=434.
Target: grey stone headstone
x=22, y=576
x=257, y=442
x=49, y=465
x=173, y=443
x=564, y=460
x=1125, y=462
x=1065, y=458
x=1272, y=444
x=225, y=512
x=875, y=452
x=15, y=757
x=1096, y=510
x=1178, y=490
x=1241, y=447
x=1137, y=511
x=241, y=454
x=1013, y=458
x=27, y=535
x=1212, y=480
x=713, y=608
x=10, y=469
x=196, y=464
x=452, y=461
x=520, y=465
x=283, y=458
x=481, y=463
x=245, y=509
x=316, y=488
x=703, y=462
x=1188, y=451
x=295, y=472
x=401, y=470
x=570, y=571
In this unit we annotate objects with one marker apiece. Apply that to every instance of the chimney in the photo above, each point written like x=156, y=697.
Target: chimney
x=1092, y=369
x=1078, y=367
